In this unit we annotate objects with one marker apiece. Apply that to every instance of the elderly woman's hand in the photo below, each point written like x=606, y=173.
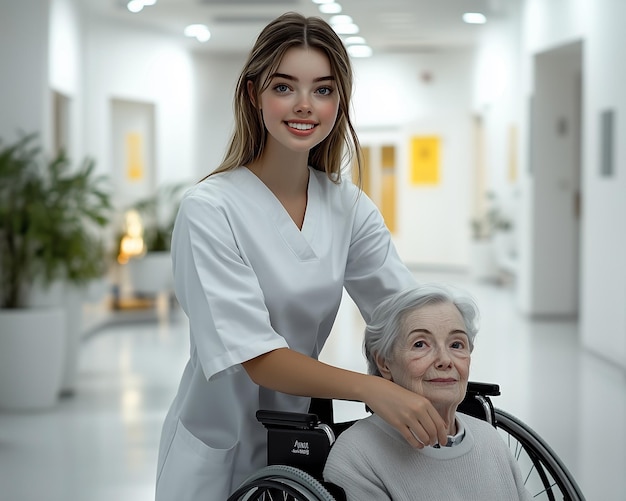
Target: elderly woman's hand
x=411, y=414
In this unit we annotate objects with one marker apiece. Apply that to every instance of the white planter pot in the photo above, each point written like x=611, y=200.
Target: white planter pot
x=32, y=352
x=151, y=274
x=505, y=251
x=69, y=298
x=482, y=260
x=73, y=306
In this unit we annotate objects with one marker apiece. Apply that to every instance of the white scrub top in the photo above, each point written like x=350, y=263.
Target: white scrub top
x=250, y=282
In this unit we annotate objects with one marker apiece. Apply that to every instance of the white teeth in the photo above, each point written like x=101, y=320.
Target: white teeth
x=300, y=126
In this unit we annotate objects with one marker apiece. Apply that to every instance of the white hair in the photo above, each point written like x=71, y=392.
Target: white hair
x=387, y=319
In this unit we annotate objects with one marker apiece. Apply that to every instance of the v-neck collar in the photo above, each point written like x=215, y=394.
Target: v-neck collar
x=298, y=239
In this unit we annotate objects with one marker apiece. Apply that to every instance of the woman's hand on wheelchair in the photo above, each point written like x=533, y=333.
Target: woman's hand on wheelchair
x=411, y=414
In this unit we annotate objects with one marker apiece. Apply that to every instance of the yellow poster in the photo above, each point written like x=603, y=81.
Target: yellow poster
x=366, y=166
x=134, y=156
x=425, y=160
x=388, y=195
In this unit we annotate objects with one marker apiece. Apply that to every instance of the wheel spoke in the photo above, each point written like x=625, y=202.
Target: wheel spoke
x=530, y=472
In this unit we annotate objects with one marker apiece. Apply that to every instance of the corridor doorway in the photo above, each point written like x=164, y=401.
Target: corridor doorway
x=552, y=271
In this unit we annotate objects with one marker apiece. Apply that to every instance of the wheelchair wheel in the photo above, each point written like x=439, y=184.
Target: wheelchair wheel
x=545, y=475
x=281, y=482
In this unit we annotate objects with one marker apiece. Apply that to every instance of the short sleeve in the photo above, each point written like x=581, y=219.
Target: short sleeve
x=374, y=269
x=220, y=293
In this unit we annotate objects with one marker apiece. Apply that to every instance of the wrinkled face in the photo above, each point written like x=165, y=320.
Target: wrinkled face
x=300, y=105
x=432, y=356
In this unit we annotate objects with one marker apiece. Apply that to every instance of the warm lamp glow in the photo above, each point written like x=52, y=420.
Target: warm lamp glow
x=132, y=243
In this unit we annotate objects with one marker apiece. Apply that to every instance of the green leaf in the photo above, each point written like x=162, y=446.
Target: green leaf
x=49, y=219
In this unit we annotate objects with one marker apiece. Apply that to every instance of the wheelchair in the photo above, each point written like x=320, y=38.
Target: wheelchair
x=298, y=445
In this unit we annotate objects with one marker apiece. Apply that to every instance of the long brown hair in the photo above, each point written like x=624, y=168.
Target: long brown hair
x=287, y=31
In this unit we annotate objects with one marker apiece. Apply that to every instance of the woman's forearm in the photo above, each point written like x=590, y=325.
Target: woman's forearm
x=291, y=372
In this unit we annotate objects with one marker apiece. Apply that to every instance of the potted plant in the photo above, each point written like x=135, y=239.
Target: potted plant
x=49, y=220
x=490, y=230
x=150, y=271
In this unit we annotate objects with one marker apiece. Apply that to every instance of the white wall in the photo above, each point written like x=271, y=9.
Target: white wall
x=393, y=90
x=138, y=66
x=398, y=96
x=603, y=279
x=216, y=78
x=496, y=88
x=546, y=24
x=603, y=320
x=24, y=97
x=65, y=67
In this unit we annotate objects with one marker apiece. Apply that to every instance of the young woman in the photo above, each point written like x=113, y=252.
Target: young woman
x=262, y=249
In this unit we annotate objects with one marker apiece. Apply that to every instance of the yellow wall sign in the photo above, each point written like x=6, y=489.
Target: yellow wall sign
x=134, y=156
x=425, y=160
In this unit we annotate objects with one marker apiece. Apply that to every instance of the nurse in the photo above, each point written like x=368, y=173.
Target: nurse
x=261, y=250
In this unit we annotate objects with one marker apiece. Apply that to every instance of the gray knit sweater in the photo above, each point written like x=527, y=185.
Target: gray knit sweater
x=371, y=461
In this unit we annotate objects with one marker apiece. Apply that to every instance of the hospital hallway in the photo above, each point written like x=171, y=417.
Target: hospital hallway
x=101, y=444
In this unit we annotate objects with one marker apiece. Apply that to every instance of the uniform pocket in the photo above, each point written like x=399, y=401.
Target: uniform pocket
x=192, y=470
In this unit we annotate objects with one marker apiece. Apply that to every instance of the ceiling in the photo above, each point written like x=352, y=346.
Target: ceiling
x=387, y=25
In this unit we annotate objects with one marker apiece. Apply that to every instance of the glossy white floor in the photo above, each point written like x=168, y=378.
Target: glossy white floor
x=101, y=444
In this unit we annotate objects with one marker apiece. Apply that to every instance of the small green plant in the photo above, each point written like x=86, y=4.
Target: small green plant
x=49, y=220
x=491, y=221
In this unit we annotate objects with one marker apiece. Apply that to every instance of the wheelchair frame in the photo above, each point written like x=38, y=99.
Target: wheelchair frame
x=298, y=445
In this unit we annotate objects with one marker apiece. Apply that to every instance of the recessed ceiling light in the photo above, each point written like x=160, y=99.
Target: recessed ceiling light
x=359, y=50
x=198, y=31
x=346, y=29
x=135, y=6
x=323, y=1
x=354, y=41
x=474, y=18
x=342, y=19
x=330, y=8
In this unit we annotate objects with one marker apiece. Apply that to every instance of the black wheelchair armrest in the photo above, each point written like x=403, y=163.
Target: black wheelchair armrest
x=287, y=419
x=485, y=389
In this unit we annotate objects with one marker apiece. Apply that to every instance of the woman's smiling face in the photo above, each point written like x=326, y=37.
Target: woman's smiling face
x=300, y=105
x=432, y=355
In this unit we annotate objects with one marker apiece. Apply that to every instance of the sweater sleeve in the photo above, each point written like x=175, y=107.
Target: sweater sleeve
x=349, y=469
x=352, y=460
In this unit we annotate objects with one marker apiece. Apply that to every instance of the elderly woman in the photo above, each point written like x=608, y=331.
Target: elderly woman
x=422, y=339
